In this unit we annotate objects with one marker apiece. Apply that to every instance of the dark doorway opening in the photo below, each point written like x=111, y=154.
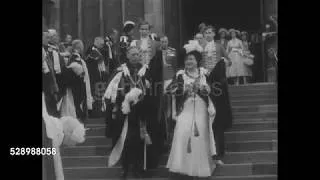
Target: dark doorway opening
x=244, y=15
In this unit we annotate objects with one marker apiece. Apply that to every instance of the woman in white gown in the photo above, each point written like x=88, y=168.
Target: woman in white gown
x=193, y=143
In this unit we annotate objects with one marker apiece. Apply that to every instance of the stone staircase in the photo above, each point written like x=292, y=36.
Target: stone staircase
x=251, y=143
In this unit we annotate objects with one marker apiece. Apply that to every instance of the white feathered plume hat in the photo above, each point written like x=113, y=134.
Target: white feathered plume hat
x=193, y=45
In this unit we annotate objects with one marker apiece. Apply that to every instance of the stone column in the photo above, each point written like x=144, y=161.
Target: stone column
x=79, y=19
x=153, y=13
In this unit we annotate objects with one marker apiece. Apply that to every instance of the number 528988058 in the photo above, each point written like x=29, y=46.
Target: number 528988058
x=32, y=151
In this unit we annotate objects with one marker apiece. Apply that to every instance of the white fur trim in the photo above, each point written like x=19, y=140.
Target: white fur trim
x=74, y=131
x=111, y=91
x=143, y=70
x=56, y=61
x=88, y=86
x=131, y=97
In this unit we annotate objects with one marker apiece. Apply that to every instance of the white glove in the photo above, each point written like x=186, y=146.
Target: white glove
x=77, y=68
x=143, y=70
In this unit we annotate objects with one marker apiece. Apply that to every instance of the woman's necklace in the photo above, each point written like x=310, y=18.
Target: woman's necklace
x=192, y=74
x=136, y=80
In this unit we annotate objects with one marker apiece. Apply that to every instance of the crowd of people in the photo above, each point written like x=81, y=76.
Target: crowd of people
x=154, y=98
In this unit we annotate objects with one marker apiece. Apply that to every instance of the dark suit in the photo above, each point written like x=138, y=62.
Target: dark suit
x=220, y=97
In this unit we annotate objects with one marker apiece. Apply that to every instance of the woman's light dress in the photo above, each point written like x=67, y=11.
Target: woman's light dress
x=237, y=68
x=247, y=69
x=198, y=162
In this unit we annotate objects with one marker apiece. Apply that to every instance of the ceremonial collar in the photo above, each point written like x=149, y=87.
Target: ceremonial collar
x=132, y=67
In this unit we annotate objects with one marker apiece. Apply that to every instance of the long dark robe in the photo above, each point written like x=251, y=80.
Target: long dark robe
x=149, y=110
x=50, y=87
x=132, y=153
x=97, y=80
x=77, y=85
x=59, y=77
x=220, y=97
x=156, y=123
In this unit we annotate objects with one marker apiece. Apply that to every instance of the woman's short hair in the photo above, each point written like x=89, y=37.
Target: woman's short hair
x=77, y=44
x=196, y=54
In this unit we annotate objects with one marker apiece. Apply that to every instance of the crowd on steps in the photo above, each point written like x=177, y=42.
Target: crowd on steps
x=150, y=94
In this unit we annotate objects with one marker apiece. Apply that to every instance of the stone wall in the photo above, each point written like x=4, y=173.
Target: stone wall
x=153, y=13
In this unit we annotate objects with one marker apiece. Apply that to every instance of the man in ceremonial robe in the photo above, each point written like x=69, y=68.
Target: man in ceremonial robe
x=126, y=116
x=57, y=59
x=78, y=98
x=111, y=50
x=152, y=59
x=49, y=82
x=97, y=67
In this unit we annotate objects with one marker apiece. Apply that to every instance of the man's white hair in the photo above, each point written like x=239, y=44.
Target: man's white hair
x=52, y=32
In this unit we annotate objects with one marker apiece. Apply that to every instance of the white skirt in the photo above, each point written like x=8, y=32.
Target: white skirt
x=199, y=162
x=237, y=67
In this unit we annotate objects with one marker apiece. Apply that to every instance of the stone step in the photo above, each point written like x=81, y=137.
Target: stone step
x=96, y=141
x=238, y=136
x=254, y=86
x=265, y=114
x=247, y=91
x=237, y=116
x=254, y=126
x=100, y=130
x=252, y=177
x=229, y=136
x=230, y=158
x=250, y=93
x=244, y=146
x=258, y=108
x=255, y=120
x=232, y=100
x=242, y=96
x=253, y=102
x=224, y=170
x=86, y=151
x=247, y=146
